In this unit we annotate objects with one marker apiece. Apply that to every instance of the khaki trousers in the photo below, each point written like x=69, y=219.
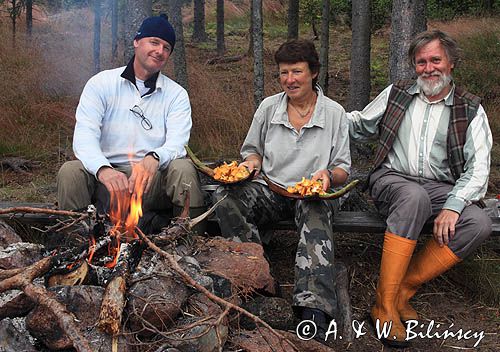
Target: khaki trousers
x=77, y=188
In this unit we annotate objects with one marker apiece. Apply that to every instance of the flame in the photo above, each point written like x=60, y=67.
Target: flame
x=114, y=249
x=125, y=212
x=91, y=248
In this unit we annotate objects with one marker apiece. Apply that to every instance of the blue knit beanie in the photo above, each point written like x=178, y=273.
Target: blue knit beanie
x=157, y=26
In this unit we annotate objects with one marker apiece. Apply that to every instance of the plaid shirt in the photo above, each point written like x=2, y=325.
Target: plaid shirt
x=457, y=152
x=463, y=111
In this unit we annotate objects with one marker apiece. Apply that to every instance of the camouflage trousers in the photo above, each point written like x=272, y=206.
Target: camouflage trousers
x=252, y=204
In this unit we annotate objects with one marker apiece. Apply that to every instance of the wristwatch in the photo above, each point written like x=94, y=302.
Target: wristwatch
x=154, y=155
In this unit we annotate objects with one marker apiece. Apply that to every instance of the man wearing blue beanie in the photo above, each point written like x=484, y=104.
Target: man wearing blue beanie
x=131, y=127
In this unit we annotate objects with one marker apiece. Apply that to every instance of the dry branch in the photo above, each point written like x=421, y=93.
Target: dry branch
x=31, y=210
x=38, y=294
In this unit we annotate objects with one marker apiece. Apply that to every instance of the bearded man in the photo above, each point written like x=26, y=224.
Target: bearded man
x=432, y=161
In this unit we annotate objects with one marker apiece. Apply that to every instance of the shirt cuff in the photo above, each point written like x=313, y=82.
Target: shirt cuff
x=454, y=204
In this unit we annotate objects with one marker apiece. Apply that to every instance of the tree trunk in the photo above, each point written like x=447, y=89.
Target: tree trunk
x=408, y=19
x=114, y=29
x=97, y=36
x=293, y=19
x=29, y=17
x=136, y=12
x=199, y=33
x=13, y=17
x=359, y=89
x=221, y=48
x=325, y=44
x=179, y=53
x=250, y=32
x=258, y=59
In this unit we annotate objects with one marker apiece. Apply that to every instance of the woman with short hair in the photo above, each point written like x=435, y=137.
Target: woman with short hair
x=296, y=133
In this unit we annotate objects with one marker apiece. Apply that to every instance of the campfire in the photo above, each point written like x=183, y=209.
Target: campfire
x=108, y=286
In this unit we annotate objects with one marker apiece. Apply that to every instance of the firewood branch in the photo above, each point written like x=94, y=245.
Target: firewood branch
x=190, y=281
x=31, y=210
x=22, y=280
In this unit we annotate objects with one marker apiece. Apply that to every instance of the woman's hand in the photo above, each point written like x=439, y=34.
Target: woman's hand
x=324, y=177
x=253, y=162
x=331, y=178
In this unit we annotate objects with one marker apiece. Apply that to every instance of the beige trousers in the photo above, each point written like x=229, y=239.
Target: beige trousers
x=77, y=188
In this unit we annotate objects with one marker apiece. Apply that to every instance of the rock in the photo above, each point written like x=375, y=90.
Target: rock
x=156, y=297
x=14, y=303
x=191, y=266
x=20, y=254
x=84, y=302
x=275, y=311
x=241, y=263
x=254, y=341
x=197, y=338
x=14, y=337
x=7, y=235
x=223, y=287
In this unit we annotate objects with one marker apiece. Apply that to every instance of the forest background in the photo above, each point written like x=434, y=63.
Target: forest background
x=43, y=70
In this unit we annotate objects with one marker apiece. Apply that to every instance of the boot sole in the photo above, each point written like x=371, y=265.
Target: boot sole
x=395, y=343
x=388, y=342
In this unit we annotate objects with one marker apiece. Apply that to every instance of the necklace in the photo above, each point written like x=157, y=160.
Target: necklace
x=303, y=115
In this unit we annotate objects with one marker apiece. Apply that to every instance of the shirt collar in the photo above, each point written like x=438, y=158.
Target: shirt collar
x=448, y=99
x=151, y=82
x=317, y=119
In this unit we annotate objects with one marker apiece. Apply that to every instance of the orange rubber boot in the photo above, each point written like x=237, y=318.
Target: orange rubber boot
x=427, y=264
x=396, y=256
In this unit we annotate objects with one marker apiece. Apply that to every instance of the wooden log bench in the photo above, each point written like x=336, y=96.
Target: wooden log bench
x=345, y=221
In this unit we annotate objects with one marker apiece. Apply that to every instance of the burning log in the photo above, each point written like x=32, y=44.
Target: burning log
x=114, y=300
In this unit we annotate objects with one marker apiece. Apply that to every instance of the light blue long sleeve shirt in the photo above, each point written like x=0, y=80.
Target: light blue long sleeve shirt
x=107, y=133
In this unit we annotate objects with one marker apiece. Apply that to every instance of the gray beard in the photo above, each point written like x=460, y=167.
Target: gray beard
x=431, y=89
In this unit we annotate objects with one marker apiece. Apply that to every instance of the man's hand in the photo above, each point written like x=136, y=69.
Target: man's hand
x=142, y=174
x=115, y=181
x=324, y=176
x=444, y=226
